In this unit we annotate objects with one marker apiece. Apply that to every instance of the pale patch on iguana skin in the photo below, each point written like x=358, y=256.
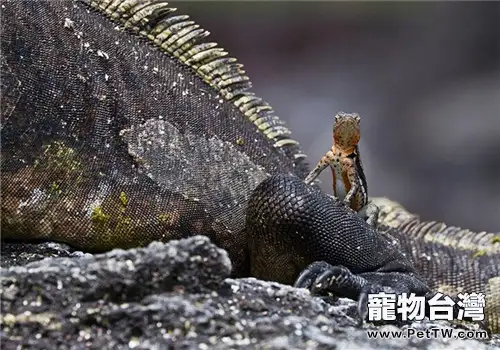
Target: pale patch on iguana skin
x=201, y=163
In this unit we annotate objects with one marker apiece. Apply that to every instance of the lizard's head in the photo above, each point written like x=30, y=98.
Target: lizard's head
x=346, y=130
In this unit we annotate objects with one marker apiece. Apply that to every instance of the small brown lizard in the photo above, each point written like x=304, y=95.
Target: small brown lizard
x=349, y=181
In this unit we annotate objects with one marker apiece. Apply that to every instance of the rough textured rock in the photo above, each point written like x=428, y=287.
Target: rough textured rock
x=178, y=293
x=13, y=253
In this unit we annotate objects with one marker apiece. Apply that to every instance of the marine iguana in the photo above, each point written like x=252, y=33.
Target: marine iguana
x=121, y=125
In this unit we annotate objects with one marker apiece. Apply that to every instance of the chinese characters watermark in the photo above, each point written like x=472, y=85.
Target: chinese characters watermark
x=385, y=307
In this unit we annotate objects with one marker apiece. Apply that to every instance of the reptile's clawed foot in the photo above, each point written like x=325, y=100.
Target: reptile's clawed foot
x=308, y=276
x=331, y=279
x=321, y=278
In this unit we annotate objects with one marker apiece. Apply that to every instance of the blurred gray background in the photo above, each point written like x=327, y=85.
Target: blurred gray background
x=425, y=78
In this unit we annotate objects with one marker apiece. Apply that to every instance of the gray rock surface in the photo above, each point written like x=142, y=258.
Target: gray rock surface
x=20, y=254
x=179, y=295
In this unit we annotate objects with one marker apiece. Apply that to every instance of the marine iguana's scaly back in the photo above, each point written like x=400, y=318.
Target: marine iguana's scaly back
x=121, y=124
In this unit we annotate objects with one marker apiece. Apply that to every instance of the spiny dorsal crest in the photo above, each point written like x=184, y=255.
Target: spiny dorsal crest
x=182, y=38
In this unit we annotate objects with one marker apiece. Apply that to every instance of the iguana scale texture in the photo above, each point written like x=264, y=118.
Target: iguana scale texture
x=122, y=124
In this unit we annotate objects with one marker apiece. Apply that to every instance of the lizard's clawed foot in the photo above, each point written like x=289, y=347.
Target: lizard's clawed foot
x=322, y=278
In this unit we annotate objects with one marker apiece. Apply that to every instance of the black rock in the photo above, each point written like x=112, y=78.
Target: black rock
x=179, y=295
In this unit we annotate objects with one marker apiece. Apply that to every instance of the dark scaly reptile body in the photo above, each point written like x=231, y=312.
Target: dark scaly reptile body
x=122, y=142
x=99, y=70
x=294, y=225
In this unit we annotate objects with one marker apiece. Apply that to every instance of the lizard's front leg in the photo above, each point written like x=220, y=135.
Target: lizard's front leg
x=357, y=196
x=350, y=195
x=322, y=164
x=350, y=175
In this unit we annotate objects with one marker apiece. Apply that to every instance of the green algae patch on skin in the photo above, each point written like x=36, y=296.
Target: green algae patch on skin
x=59, y=158
x=113, y=228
